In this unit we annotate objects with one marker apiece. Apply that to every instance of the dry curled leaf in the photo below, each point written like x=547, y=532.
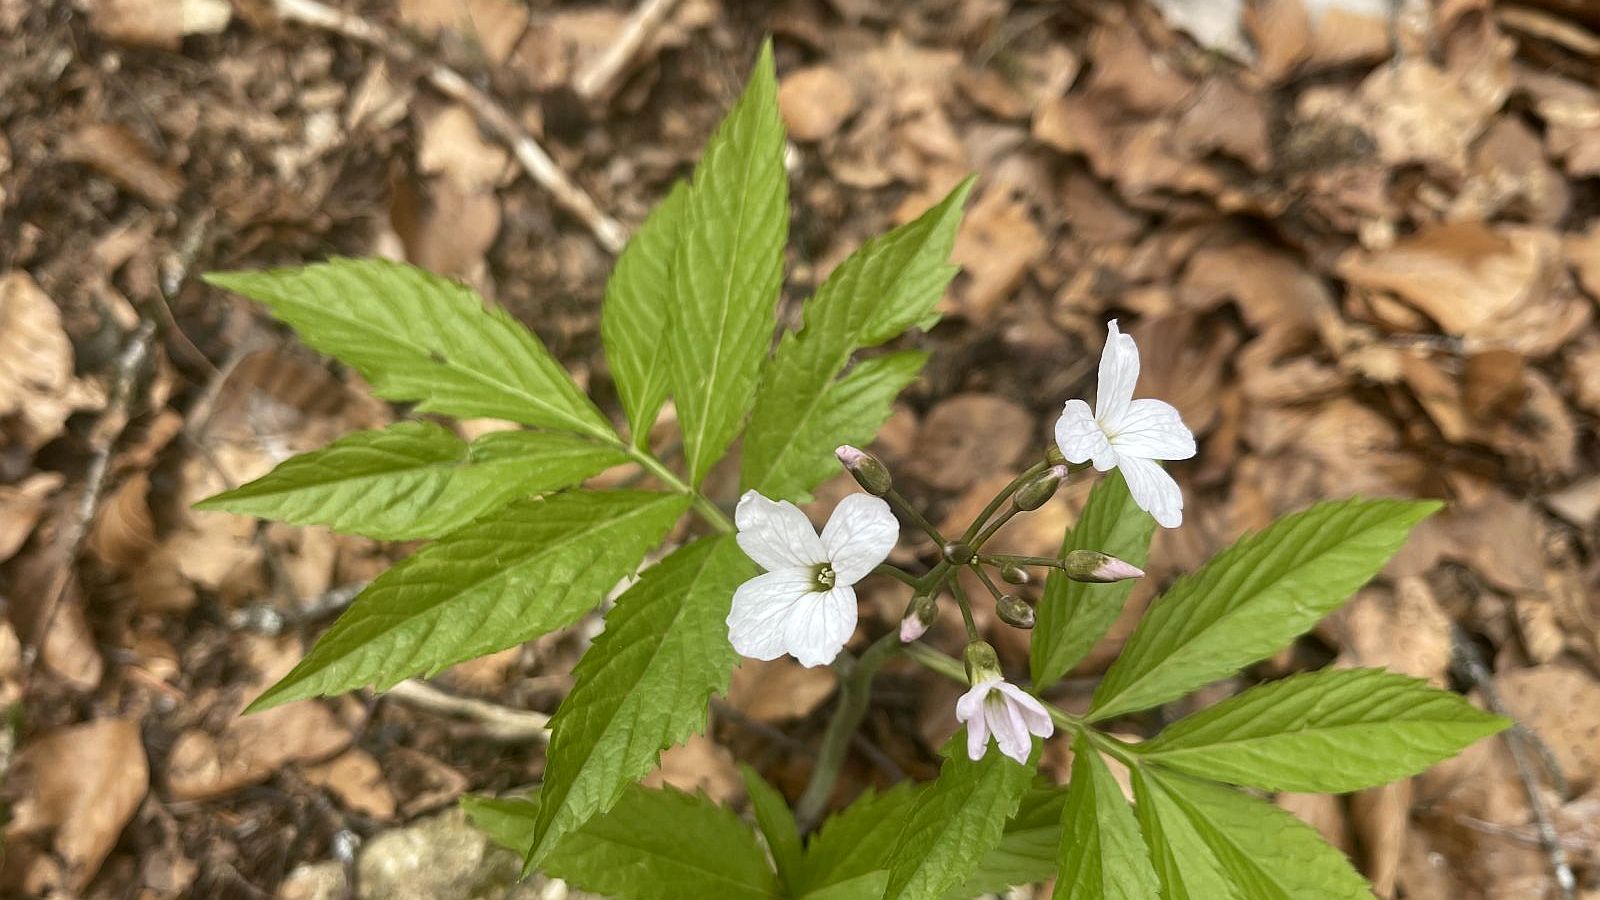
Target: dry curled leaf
x=79, y=787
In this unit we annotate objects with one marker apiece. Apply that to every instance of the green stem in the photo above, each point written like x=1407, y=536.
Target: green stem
x=987, y=581
x=966, y=608
x=702, y=504
x=904, y=507
x=855, y=690
x=1003, y=496
x=899, y=575
x=998, y=523
x=1000, y=560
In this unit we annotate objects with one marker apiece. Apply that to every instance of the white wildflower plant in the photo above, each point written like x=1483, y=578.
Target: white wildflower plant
x=1127, y=434
x=804, y=605
x=520, y=541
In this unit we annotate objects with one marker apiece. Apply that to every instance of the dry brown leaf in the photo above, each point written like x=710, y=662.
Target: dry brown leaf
x=969, y=437
x=161, y=24
x=116, y=153
x=1379, y=818
x=778, y=690
x=1225, y=117
x=699, y=764
x=80, y=786
x=37, y=388
x=1127, y=72
x=815, y=101
x=357, y=780
x=1324, y=812
x=1403, y=630
x=997, y=244
x=1493, y=287
x=1420, y=113
x=1281, y=31
x=1560, y=702
x=493, y=25
x=1578, y=503
x=21, y=506
x=250, y=749
x=123, y=534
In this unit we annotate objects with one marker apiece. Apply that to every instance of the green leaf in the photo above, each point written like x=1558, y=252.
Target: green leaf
x=653, y=845
x=955, y=822
x=1072, y=615
x=890, y=284
x=777, y=825
x=1331, y=731
x=637, y=313
x=1252, y=599
x=418, y=337
x=522, y=571
x=727, y=271
x=1266, y=853
x=414, y=479
x=849, y=854
x=1185, y=866
x=1027, y=850
x=1102, y=854
x=643, y=685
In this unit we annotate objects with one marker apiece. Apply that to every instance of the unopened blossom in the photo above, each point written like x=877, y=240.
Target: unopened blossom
x=804, y=605
x=999, y=708
x=1128, y=434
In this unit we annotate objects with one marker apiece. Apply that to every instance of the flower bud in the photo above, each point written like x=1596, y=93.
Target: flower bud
x=1098, y=568
x=866, y=469
x=1043, y=486
x=1014, y=611
x=920, y=613
x=1015, y=574
x=958, y=553
x=982, y=663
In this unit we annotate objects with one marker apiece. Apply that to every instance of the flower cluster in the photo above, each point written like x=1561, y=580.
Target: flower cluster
x=804, y=605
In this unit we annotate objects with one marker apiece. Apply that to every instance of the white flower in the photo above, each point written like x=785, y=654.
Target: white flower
x=998, y=707
x=1127, y=434
x=804, y=605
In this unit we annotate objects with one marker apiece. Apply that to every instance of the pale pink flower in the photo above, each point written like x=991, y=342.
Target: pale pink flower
x=997, y=707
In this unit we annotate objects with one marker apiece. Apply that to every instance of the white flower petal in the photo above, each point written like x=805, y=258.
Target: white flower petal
x=1010, y=732
x=977, y=737
x=1078, y=435
x=818, y=626
x=1153, y=490
x=1033, y=712
x=1119, y=372
x=971, y=703
x=776, y=535
x=762, y=606
x=858, y=536
x=1152, y=429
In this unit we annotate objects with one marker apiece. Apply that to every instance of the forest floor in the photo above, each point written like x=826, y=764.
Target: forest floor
x=1359, y=246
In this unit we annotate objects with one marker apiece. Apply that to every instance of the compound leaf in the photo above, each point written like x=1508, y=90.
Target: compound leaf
x=414, y=479
x=1253, y=599
x=1332, y=731
x=418, y=337
x=642, y=686
x=519, y=572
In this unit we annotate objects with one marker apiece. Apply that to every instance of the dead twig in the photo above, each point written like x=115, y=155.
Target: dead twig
x=598, y=80
x=269, y=620
x=499, y=723
x=491, y=115
x=1470, y=663
x=103, y=439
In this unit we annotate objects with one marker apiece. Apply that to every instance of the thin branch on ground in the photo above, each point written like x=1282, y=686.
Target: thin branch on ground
x=103, y=439
x=598, y=80
x=1470, y=663
x=499, y=723
x=270, y=620
x=490, y=113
